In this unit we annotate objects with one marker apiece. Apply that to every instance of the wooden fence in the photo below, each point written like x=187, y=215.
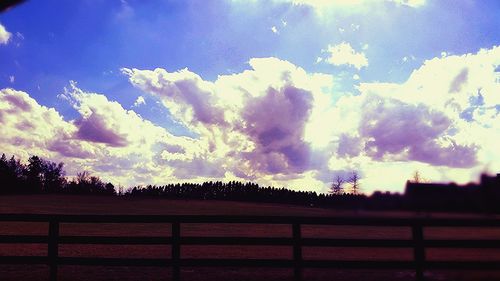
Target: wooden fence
x=417, y=242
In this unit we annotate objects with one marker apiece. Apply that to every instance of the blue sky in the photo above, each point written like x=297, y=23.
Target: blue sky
x=52, y=43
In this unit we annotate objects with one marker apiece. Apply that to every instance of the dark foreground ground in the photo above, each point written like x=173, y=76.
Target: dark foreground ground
x=102, y=205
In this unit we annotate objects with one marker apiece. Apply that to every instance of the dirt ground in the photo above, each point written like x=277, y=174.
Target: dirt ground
x=45, y=204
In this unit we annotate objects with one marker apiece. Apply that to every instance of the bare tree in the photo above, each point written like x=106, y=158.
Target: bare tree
x=354, y=181
x=337, y=187
x=416, y=177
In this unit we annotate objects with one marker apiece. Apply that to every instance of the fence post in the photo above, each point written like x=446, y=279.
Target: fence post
x=176, y=251
x=53, y=248
x=297, y=252
x=418, y=250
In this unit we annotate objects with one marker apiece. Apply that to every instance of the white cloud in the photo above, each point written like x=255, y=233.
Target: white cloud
x=344, y=54
x=26, y=124
x=277, y=124
x=190, y=99
x=442, y=119
x=418, y=124
x=140, y=100
x=253, y=145
x=411, y=3
x=106, y=139
x=4, y=35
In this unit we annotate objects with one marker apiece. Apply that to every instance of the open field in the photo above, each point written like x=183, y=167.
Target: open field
x=46, y=204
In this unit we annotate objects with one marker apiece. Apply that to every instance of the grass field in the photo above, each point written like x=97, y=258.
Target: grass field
x=45, y=204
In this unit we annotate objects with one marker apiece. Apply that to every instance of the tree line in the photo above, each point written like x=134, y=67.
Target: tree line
x=40, y=176
x=250, y=192
x=43, y=176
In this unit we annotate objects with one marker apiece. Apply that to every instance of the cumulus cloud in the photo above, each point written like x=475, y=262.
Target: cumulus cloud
x=281, y=124
x=140, y=100
x=257, y=118
x=344, y=54
x=275, y=123
x=4, y=35
x=440, y=118
x=411, y=132
x=26, y=124
x=106, y=139
x=101, y=121
x=184, y=93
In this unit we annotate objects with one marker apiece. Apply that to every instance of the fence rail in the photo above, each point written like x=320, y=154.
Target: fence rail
x=417, y=242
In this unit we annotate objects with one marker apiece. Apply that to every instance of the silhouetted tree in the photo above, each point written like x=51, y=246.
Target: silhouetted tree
x=354, y=181
x=11, y=175
x=337, y=187
x=34, y=175
x=84, y=183
x=37, y=176
x=416, y=177
x=109, y=189
x=53, y=177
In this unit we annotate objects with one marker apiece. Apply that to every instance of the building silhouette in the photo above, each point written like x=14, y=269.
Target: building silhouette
x=483, y=196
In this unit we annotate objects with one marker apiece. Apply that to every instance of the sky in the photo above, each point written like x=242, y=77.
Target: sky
x=289, y=93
